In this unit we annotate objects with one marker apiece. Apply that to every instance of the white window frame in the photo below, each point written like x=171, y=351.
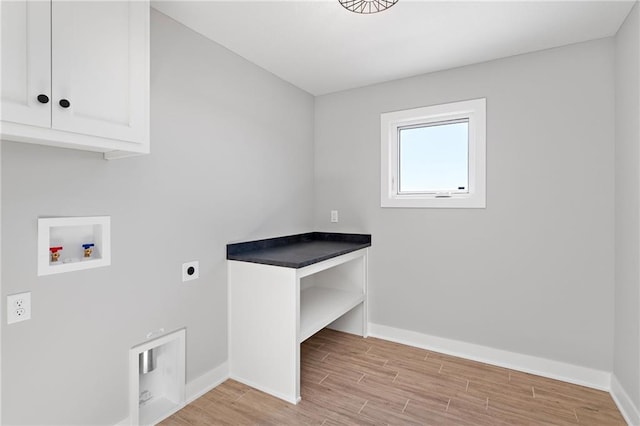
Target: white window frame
x=473, y=110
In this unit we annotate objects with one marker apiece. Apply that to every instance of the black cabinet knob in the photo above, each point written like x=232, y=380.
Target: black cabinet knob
x=64, y=103
x=43, y=99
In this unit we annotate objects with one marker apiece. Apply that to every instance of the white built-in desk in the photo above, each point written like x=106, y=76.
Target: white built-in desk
x=284, y=290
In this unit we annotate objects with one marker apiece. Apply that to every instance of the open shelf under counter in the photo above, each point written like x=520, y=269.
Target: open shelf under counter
x=320, y=306
x=282, y=291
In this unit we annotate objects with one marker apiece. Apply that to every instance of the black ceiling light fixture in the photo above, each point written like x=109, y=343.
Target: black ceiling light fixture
x=367, y=6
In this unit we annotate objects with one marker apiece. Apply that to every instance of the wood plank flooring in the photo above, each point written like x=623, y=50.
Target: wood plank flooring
x=350, y=380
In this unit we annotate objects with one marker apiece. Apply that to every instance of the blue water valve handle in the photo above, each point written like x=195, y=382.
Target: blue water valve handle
x=88, y=245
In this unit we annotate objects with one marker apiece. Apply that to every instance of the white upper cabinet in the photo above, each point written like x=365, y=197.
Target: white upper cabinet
x=26, y=62
x=97, y=66
x=75, y=74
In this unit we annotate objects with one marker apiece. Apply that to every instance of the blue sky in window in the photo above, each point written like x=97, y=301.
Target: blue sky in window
x=434, y=158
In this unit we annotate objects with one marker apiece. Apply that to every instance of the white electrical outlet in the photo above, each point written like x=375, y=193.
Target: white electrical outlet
x=190, y=271
x=18, y=307
x=334, y=216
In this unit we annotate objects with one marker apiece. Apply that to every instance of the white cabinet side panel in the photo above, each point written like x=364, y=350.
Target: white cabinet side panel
x=263, y=307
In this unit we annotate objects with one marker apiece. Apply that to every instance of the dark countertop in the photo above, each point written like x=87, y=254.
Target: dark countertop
x=297, y=251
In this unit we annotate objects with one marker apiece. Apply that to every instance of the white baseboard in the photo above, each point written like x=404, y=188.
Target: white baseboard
x=198, y=386
x=209, y=380
x=124, y=422
x=529, y=364
x=629, y=410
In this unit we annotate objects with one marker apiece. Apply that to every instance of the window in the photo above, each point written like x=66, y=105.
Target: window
x=434, y=156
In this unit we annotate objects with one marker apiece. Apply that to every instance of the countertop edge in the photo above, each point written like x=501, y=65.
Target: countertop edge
x=242, y=251
x=266, y=243
x=295, y=265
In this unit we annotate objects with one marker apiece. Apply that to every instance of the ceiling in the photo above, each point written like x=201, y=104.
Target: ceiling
x=320, y=47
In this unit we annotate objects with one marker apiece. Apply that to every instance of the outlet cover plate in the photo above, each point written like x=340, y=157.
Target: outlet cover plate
x=18, y=307
x=190, y=271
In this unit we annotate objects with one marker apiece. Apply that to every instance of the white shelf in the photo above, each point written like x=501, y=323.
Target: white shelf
x=320, y=306
x=156, y=410
x=273, y=309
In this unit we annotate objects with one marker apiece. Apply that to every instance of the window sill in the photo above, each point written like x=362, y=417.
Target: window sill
x=454, y=202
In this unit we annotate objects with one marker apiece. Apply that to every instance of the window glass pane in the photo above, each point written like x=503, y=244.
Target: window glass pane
x=434, y=158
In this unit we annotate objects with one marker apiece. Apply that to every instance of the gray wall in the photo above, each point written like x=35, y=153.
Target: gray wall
x=533, y=272
x=232, y=158
x=627, y=201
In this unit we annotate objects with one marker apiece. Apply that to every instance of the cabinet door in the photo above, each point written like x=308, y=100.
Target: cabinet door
x=100, y=65
x=26, y=62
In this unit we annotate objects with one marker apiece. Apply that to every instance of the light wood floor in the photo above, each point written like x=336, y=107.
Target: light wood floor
x=350, y=380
